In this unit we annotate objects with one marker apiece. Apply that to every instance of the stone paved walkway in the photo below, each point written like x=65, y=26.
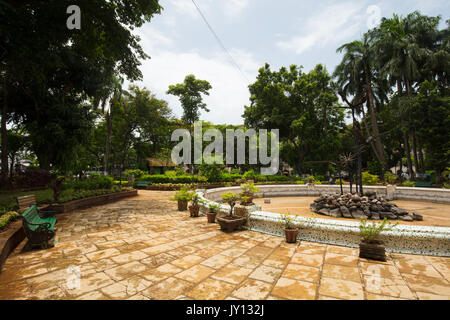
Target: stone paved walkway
x=142, y=248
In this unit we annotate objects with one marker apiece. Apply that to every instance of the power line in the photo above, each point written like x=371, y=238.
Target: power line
x=219, y=41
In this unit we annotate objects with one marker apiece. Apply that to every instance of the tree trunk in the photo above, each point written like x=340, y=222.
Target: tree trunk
x=414, y=146
x=4, y=132
x=374, y=121
x=408, y=154
x=108, y=141
x=438, y=173
x=421, y=158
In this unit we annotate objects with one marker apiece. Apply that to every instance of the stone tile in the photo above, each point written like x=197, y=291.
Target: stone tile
x=342, y=289
x=343, y=250
x=88, y=283
x=158, y=260
x=432, y=285
x=393, y=287
x=341, y=272
x=168, y=289
x=259, y=252
x=187, y=261
x=248, y=261
x=340, y=259
x=217, y=261
x=102, y=254
x=232, y=274
x=417, y=267
x=430, y=296
x=372, y=296
x=162, y=272
x=110, y=244
x=126, y=288
x=266, y=274
x=294, y=289
x=94, y=295
x=252, y=290
x=211, y=289
x=129, y=257
x=276, y=261
x=300, y=272
x=233, y=252
x=308, y=260
x=380, y=270
x=283, y=252
x=126, y=270
x=196, y=273
x=307, y=249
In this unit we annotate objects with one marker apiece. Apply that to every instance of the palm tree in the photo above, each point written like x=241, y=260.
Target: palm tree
x=356, y=76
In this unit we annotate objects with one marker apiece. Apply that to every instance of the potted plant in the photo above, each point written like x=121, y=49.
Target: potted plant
x=290, y=230
x=183, y=196
x=194, y=208
x=371, y=247
x=248, y=193
x=231, y=223
x=212, y=213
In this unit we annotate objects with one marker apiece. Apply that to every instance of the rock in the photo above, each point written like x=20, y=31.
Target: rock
x=345, y=212
x=325, y=212
x=406, y=218
x=388, y=215
x=375, y=215
x=358, y=214
x=336, y=213
x=417, y=217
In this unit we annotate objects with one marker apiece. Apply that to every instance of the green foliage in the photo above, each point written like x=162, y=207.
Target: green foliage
x=213, y=208
x=390, y=178
x=184, y=194
x=230, y=198
x=248, y=193
x=155, y=179
x=371, y=231
x=8, y=199
x=409, y=184
x=250, y=175
x=287, y=221
x=370, y=179
x=94, y=182
x=7, y=218
x=190, y=95
x=137, y=173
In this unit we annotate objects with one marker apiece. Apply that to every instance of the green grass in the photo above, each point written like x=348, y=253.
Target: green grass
x=8, y=199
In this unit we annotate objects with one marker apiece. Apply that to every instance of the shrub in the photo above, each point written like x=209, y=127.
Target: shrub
x=249, y=175
x=94, y=182
x=371, y=231
x=390, y=178
x=156, y=179
x=33, y=178
x=409, y=184
x=446, y=186
x=277, y=178
x=370, y=179
x=184, y=194
x=300, y=182
x=7, y=218
x=137, y=173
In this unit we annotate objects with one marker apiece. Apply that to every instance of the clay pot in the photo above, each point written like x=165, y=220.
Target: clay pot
x=230, y=224
x=194, y=210
x=211, y=217
x=291, y=235
x=373, y=250
x=182, y=205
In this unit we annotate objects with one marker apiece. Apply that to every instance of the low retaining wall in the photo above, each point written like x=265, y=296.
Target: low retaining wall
x=390, y=192
x=91, y=202
x=9, y=240
x=423, y=240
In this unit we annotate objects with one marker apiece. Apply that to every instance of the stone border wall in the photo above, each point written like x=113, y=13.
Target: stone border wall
x=9, y=240
x=91, y=202
x=423, y=240
x=390, y=192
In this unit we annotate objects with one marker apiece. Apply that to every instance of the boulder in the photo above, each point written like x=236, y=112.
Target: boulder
x=388, y=215
x=375, y=215
x=406, y=218
x=324, y=211
x=336, y=213
x=358, y=214
x=417, y=217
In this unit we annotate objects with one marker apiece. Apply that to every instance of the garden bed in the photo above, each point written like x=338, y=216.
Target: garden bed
x=90, y=202
x=10, y=238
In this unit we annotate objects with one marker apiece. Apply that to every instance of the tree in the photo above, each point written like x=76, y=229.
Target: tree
x=190, y=95
x=355, y=76
x=299, y=105
x=63, y=64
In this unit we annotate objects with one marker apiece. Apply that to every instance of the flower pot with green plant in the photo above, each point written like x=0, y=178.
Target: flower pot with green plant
x=212, y=212
x=231, y=223
x=371, y=247
x=290, y=230
x=248, y=193
x=183, y=196
x=194, y=208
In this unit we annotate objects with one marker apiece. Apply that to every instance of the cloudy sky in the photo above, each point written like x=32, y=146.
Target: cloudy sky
x=254, y=32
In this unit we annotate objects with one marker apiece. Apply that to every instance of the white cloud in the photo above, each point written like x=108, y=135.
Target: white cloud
x=332, y=25
x=236, y=7
x=168, y=66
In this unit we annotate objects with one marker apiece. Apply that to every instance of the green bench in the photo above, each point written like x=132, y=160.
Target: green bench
x=39, y=230
x=423, y=184
x=142, y=184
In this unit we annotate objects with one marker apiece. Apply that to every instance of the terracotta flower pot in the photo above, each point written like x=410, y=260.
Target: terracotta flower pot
x=291, y=235
x=182, y=205
x=373, y=250
x=211, y=217
x=194, y=210
x=230, y=224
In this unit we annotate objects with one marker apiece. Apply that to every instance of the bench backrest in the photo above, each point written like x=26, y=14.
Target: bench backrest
x=25, y=202
x=32, y=215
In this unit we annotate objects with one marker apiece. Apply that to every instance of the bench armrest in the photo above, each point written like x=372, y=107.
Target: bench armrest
x=45, y=225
